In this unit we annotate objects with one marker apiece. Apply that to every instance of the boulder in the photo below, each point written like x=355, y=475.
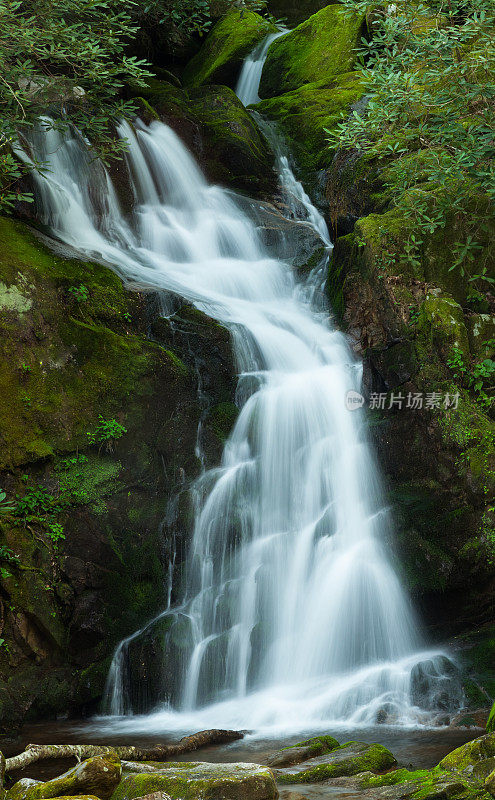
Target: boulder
x=289, y=756
x=305, y=114
x=200, y=781
x=346, y=760
x=97, y=776
x=285, y=239
x=212, y=122
x=469, y=755
x=321, y=48
x=225, y=48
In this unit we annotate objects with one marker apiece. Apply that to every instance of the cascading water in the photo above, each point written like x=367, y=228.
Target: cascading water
x=250, y=77
x=292, y=616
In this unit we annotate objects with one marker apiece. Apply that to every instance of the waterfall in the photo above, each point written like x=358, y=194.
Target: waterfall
x=292, y=615
x=250, y=77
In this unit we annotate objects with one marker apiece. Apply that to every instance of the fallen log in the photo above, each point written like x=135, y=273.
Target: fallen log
x=158, y=752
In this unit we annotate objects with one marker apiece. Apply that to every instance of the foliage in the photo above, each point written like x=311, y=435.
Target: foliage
x=80, y=292
x=477, y=377
x=6, y=507
x=37, y=506
x=107, y=432
x=430, y=115
x=68, y=59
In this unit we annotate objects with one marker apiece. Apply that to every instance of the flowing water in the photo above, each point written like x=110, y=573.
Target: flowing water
x=292, y=617
x=250, y=77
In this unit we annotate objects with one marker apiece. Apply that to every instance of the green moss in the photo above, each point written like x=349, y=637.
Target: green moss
x=470, y=754
x=220, y=58
x=424, y=784
x=222, y=418
x=318, y=745
x=89, y=481
x=362, y=758
x=441, y=320
x=319, y=49
x=200, y=781
x=306, y=113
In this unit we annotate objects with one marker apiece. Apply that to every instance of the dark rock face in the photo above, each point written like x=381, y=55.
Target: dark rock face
x=85, y=544
x=221, y=134
x=407, y=322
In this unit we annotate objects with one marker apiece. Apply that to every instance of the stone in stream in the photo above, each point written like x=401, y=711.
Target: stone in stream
x=290, y=756
x=97, y=776
x=198, y=781
x=348, y=759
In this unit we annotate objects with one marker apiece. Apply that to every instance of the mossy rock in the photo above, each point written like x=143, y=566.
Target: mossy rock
x=469, y=755
x=212, y=122
x=67, y=359
x=432, y=784
x=441, y=320
x=481, y=333
x=97, y=776
x=306, y=113
x=320, y=49
x=225, y=48
x=297, y=753
x=235, y=151
x=348, y=759
x=201, y=781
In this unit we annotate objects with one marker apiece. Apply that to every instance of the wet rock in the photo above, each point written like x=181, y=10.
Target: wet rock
x=97, y=776
x=346, y=760
x=470, y=754
x=285, y=239
x=306, y=113
x=321, y=48
x=215, y=126
x=290, y=756
x=201, y=781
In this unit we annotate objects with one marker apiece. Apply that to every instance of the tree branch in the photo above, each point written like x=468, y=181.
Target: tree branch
x=159, y=752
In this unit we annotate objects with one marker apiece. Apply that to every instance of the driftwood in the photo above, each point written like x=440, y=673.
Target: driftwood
x=159, y=752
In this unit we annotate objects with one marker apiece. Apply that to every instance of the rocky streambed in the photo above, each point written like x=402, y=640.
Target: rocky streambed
x=321, y=766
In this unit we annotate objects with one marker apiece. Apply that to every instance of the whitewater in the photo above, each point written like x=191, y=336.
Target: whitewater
x=292, y=617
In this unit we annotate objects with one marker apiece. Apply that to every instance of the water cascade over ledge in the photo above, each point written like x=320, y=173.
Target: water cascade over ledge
x=292, y=616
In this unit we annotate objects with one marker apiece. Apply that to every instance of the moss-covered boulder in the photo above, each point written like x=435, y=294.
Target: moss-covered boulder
x=221, y=134
x=306, y=113
x=320, y=49
x=92, y=408
x=97, y=776
x=201, y=781
x=225, y=48
x=297, y=753
x=348, y=759
x=470, y=754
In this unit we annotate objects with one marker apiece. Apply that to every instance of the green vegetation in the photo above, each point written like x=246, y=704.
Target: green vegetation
x=68, y=56
x=319, y=49
x=107, y=433
x=222, y=53
x=430, y=116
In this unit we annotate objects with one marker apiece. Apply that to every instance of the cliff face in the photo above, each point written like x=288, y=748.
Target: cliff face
x=99, y=417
